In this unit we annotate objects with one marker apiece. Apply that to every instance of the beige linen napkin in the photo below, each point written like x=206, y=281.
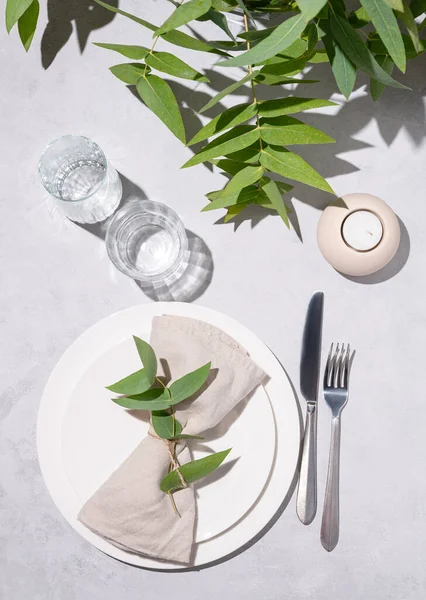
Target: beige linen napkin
x=129, y=509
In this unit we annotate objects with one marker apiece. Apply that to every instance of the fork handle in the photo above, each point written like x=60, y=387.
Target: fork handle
x=330, y=515
x=307, y=491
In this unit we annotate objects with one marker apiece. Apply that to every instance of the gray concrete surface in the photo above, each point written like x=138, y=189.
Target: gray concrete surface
x=56, y=280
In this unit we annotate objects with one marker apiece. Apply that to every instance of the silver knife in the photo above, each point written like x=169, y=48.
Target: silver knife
x=309, y=375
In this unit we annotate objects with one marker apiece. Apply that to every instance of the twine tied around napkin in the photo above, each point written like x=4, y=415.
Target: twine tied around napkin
x=129, y=510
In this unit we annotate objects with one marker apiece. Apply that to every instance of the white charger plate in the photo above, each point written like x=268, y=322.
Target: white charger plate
x=82, y=436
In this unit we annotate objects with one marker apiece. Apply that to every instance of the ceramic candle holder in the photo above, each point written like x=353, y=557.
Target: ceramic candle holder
x=358, y=234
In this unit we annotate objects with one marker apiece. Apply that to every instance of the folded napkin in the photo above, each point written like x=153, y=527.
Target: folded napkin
x=129, y=509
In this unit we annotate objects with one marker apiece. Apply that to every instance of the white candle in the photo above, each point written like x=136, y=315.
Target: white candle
x=362, y=230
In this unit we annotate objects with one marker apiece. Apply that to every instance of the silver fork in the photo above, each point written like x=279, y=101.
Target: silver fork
x=336, y=378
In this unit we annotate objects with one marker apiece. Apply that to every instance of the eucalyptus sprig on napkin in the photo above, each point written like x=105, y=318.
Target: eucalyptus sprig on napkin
x=143, y=390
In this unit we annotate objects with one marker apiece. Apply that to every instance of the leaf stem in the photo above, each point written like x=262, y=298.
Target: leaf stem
x=172, y=412
x=156, y=38
x=250, y=68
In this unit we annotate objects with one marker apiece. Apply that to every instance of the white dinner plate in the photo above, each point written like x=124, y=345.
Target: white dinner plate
x=82, y=436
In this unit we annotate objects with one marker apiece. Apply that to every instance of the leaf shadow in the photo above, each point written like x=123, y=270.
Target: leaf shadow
x=86, y=16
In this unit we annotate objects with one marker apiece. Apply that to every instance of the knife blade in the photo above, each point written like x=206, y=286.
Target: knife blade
x=310, y=364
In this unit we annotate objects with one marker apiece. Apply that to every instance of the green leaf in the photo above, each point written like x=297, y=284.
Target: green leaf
x=229, y=166
x=219, y=20
x=284, y=35
x=231, y=192
x=386, y=25
x=165, y=425
x=290, y=131
x=251, y=154
x=238, y=138
x=417, y=7
x=184, y=14
x=272, y=191
x=224, y=5
x=27, y=24
x=359, y=18
x=267, y=79
x=396, y=5
x=189, y=384
x=229, y=118
x=178, y=38
x=409, y=22
x=159, y=98
x=319, y=57
x=228, y=90
x=153, y=399
x=377, y=88
x=133, y=52
x=290, y=165
x=248, y=195
x=194, y=470
x=310, y=8
x=256, y=35
x=235, y=210
x=376, y=45
x=186, y=436
x=358, y=53
x=295, y=50
x=312, y=39
x=290, y=105
x=284, y=188
x=136, y=383
x=285, y=67
x=130, y=73
x=168, y=63
x=14, y=11
x=344, y=70
x=148, y=358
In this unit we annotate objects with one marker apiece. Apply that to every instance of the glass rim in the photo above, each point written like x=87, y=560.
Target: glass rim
x=82, y=137
x=133, y=273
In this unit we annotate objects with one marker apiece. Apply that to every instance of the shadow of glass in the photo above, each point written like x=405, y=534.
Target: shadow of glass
x=87, y=16
x=391, y=269
x=191, y=280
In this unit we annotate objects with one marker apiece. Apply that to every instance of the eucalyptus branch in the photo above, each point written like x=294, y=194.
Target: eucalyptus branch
x=157, y=37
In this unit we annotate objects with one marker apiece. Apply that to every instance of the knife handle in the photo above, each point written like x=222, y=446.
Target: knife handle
x=307, y=491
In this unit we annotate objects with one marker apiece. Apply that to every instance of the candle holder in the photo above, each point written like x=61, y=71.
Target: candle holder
x=358, y=234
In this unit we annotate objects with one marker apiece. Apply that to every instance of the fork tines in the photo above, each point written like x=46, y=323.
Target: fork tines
x=336, y=372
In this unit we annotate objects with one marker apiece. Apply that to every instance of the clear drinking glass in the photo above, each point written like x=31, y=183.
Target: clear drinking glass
x=147, y=241
x=75, y=171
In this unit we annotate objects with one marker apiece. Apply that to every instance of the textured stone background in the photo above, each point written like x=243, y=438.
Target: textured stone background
x=56, y=280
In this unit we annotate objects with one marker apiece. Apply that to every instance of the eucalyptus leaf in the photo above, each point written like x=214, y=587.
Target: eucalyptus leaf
x=295, y=50
x=310, y=8
x=396, y=4
x=407, y=18
x=358, y=53
x=344, y=70
x=178, y=38
x=14, y=11
x=130, y=73
x=376, y=45
x=292, y=166
x=289, y=131
x=268, y=79
x=193, y=471
x=290, y=66
x=148, y=358
x=251, y=154
x=377, y=88
x=319, y=57
x=275, y=197
x=234, y=211
x=238, y=138
x=189, y=384
x=229, y=118
x=231, y=192
x=136, y=383
x=168, y=63
x=224, y=5
x=159, y=98
x=165, y=425
x=27, y=24
x=228, y=90
x=256, y=35
x=153, y=399
x=386, y=25
x=219, y=20
x=284, y=35
x=290, y=105
x=232, y=167
x=359, y=18
x=133, y=52
x=247, y=195
x=183, y=14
